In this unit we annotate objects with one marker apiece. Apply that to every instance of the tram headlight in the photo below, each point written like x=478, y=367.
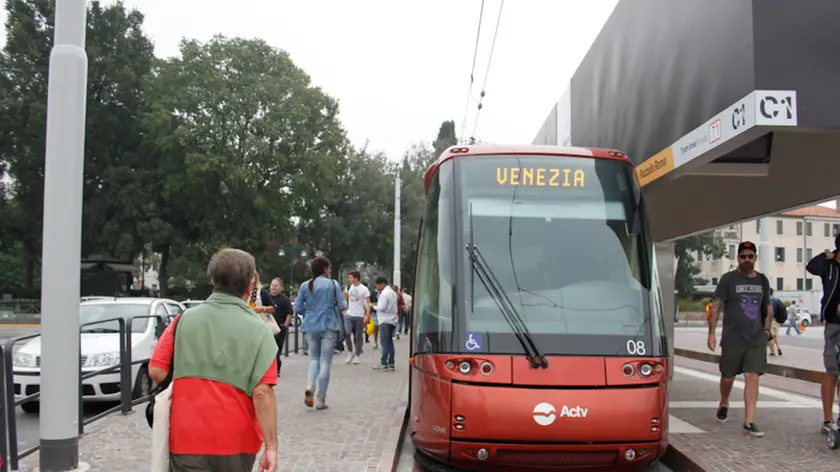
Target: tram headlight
x=645, y=370
x=486, y=368
x=628, y=370
x=464, y=367
x=629, y=455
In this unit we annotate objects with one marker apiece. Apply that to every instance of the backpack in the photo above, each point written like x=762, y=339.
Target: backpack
x=779, y=311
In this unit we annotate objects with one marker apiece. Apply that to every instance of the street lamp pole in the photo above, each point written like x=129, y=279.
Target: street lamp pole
x=61, y=254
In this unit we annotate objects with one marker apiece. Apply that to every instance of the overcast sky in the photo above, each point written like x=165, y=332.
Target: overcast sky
x=399, y=67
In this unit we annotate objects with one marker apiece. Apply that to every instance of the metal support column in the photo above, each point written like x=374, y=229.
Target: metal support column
x=666, y=266
x=60, y=274
x=766, y=256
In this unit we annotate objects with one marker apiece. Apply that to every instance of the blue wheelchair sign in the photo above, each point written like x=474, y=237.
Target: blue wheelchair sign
x=474, y=341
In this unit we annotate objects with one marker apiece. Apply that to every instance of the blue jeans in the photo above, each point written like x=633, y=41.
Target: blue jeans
x=792, y=324
x=322, y=346
x=305, y=342
x=386, y=338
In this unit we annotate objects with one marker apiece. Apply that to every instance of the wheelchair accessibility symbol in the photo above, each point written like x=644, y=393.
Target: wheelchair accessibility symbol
x=473, y=342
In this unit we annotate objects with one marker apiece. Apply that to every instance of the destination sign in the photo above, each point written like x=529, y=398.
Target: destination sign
x=539, y=177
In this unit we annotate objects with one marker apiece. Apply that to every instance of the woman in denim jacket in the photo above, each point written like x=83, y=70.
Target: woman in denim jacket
x=317, y=301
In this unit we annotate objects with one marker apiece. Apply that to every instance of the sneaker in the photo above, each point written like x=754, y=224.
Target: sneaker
x=391, y=367
x=355, y=360
x=753, y=430
x=780, y=352
x=397, y=336
x=381, y=368
x=826, y=427
x=772, y=353
x=722, y=414
x=349, y=359
x=305, y=353
x=307, y=397
x=321, y=405
x=375, y=346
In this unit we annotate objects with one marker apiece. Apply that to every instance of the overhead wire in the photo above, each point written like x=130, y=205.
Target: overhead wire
x=472, y=72
x=487, y=73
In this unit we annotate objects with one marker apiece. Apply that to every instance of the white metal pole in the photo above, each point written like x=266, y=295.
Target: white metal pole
x=60, y=273
x=397, y=273
x=766, y=255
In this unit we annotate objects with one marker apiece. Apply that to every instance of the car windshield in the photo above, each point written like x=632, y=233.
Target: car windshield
x=565, y=238
x=94, y=312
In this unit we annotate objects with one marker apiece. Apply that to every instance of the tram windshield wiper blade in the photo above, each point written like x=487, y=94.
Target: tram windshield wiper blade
x=514, y=319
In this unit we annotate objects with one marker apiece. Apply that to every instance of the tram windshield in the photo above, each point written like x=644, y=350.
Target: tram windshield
x=566, y=240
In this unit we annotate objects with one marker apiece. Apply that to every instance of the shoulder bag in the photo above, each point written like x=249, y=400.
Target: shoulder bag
x=342, y=332
x=268, y=318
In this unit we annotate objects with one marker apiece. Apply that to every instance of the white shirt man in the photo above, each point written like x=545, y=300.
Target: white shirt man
x=358, y=306
x=387, y=312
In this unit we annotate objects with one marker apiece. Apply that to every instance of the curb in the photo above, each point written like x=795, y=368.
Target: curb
x=393, y=446
x=773, y=369
x=19, y=325
x=676, y=460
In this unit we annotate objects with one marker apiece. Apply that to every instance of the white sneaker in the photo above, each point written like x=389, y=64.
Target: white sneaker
x=355, y=360
x=349, y=359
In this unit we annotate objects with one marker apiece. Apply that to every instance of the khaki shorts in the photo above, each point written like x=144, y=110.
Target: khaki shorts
x=774, y=328
x=831, y=334
x=737, y=360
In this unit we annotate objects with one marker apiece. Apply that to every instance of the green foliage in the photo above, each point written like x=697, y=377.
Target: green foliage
x=708, y=245
x=226, y=144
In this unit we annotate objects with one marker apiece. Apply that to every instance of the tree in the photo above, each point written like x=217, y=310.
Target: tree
x=243, y=143
x=705, y=244
x=119, y=58
x=413, y=171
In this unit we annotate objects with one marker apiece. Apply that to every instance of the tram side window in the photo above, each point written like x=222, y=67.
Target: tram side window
x=433, y=291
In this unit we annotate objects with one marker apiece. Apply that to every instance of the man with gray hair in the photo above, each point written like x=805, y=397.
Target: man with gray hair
x=223, y=375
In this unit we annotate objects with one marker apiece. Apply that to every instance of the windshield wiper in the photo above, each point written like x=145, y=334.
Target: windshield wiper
x=514, y=319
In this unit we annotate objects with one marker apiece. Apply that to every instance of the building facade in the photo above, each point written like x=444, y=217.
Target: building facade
x=796, y=237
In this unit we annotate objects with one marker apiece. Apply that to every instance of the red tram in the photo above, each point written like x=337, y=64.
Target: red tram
x=538, y=335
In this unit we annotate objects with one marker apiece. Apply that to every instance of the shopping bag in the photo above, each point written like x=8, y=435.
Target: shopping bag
x=370, y=327
x=160, y=430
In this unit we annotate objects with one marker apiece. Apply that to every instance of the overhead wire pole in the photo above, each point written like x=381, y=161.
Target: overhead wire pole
x=397, y=227
x=472, y=74
x=487, y=73
x=60, y=270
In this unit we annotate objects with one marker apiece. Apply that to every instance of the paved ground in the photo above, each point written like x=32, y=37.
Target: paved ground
x=789, y=412
x=359, y=432
x=804, y=351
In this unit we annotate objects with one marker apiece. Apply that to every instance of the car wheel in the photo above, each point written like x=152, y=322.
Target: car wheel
x=806, y=322
x=143, y=384
x=31, y=407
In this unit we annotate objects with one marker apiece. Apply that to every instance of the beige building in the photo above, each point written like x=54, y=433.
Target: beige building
x=796, y=237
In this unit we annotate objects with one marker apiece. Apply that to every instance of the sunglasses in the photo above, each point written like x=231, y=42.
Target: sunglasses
x=748, y=257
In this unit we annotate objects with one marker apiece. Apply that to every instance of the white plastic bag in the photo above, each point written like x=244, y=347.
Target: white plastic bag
x=160, y=430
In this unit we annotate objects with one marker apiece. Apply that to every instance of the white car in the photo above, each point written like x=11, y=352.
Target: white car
x=100, y=348
x=192, y=303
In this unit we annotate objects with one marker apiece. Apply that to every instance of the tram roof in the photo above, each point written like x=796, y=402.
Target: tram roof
x=522, y=149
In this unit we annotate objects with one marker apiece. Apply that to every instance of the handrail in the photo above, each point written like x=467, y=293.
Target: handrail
x=10, y=404
x=126, y=380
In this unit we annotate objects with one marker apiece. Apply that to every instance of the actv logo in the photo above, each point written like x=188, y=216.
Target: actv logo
x=545, y=414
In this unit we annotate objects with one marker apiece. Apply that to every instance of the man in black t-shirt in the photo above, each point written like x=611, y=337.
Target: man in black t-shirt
x=282, y=314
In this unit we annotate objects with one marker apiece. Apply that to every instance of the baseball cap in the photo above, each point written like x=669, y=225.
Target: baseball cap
x=747, y=245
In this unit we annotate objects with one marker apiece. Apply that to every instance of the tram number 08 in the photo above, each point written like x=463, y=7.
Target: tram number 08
x=636, y=348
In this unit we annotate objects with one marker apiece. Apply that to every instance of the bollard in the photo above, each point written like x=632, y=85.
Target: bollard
x=286, y=341
x=297, y=345
x=125, y=368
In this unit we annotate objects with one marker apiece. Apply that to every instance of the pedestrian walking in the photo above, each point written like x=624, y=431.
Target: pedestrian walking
x=223, y=408
x=320, y=300
x=743, y=296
